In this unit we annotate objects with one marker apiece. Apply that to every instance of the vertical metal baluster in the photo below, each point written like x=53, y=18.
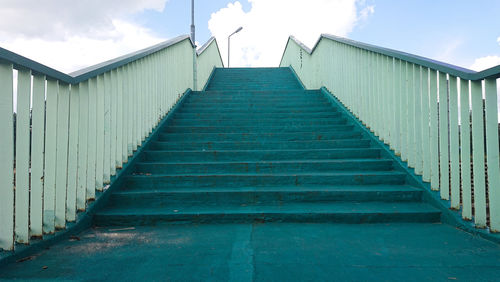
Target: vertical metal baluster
x=492, y=153
x=478, y=155
x=454, y=145
x=7, y=157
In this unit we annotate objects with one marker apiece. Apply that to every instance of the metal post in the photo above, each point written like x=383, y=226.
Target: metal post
x=195, y=70
x=192, y=21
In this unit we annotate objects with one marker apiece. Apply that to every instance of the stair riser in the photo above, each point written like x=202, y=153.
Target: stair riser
x=154, y=181
x=245, y=103
x=337, y=144
x=229, y=99
x=254, y=101
x=254, y=79
x=275, y=78
x=328, y=114
x=178, y=200
x=260, y=103
x=246, y=81
x=257, y=123
x=269, y=92
x=299, y=94
x=262, y=137
x=268, y=167
x=247, y=110
x=253, y=129
x=303, y=217
x=256, y=87
x=214, y=156
x=212, y=97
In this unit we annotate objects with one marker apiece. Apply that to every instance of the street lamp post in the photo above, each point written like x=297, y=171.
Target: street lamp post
x=229, y=43
x=192, y=21
x=193, y=40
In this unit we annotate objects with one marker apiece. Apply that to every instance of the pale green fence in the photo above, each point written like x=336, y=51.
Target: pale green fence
x=74, y=131
x=416, y=105
x=208, y=58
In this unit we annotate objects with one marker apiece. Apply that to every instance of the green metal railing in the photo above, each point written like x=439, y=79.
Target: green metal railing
x=420, y=108
x=72, y=132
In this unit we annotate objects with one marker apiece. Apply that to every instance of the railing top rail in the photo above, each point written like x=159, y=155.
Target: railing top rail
x=21, y=62
x=205, y=46
x=464, y=73
x=103, y=67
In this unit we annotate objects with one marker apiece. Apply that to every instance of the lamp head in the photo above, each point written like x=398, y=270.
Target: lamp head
x=236, y=31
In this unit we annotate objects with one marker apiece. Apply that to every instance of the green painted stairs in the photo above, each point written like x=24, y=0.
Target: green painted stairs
x=257, y=147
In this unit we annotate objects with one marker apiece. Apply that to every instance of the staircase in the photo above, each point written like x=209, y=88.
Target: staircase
x=257, y=147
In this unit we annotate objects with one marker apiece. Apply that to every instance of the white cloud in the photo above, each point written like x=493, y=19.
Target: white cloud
x=76, y=52
x=485, y=63
x=59, y=19
x=366, y=12
x=498, y=40
x=267, y=25
x=71, y=35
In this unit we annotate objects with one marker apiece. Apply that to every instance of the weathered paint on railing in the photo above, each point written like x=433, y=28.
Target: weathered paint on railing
x=412, y=103
x=84, y=126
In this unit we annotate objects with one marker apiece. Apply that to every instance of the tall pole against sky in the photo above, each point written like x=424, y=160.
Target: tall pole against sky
x=195, y=65
x=192, y=21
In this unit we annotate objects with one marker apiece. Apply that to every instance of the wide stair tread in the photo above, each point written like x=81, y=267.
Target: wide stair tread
x=220, y=195
x=290, y=166
x=259, y=145
x=338, y=212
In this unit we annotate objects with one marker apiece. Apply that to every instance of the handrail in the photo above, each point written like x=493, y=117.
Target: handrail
x=21, y=62
x=206, y=45
x=464, y=73
x=101, y=68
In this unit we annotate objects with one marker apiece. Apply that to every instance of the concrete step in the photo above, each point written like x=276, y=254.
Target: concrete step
x=282, y=195
x=245, y=121
x=252, y=86
x=259, y=145
x=291, y=166
x=323, y=114
x=258, y=110
x=257, y=129
x=156, y=181
x=229, y=98
x=353, y=213
x=260, y=136
x=211, y=101
x=261, y=155
x=257, y=96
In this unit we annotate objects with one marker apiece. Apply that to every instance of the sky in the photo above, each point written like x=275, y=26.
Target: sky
x=70, y=35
